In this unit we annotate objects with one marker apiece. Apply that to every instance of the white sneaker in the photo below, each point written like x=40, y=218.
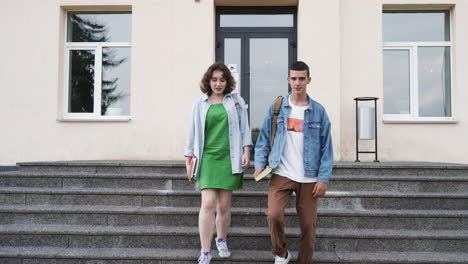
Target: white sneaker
x=223, y=250
x=205, y=258
x=283, y=260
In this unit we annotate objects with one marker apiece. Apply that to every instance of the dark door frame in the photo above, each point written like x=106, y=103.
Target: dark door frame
x=245, y=33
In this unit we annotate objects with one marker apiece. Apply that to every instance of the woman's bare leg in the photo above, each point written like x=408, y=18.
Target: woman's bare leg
x=206, y=218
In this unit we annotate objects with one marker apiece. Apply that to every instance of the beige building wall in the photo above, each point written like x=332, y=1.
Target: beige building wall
x=361, y=69
x=361, y=66
x=172, y=45
x=319, y=47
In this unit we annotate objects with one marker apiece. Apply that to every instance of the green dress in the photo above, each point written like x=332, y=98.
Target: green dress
x=215, y=168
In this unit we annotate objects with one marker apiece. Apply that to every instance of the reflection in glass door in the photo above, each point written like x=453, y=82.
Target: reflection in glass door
x=257, y=45
x=232, y=58
x=259, y=63
x=268, y=62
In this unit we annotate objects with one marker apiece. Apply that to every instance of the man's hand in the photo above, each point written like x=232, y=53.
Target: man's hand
x=319, y=189
x=257, y=172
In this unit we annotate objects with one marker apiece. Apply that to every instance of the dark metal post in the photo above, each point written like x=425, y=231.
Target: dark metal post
x=375, y=125
x=357, y=137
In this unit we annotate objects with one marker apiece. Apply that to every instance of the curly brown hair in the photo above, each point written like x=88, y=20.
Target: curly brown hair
x=217, y=66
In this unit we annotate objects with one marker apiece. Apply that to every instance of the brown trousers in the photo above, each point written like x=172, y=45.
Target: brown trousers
x=280, y=190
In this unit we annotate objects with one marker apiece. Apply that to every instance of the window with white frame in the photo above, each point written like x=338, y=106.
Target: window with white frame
x=417, y=65
x=98, y=53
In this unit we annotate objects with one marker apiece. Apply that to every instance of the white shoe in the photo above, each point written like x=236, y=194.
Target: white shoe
x=283, y=260
x=205, y=258
x=223, y=250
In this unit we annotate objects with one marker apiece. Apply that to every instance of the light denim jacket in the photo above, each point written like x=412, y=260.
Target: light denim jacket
x=239, y=131
x=318, y=149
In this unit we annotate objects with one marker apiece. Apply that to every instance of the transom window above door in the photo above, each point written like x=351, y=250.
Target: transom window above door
x=256, y=20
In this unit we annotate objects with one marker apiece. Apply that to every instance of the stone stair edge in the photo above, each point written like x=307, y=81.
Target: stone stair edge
x=248, y=177
x=140, y=254
x=96, y=209
x=129, y=191
x=181, y=163
x=106, y=163
x=357, y=233
x=238, y=255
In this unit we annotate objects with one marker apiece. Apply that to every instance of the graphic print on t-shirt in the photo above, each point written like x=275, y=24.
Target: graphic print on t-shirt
x=295, y=125
x=291, y=163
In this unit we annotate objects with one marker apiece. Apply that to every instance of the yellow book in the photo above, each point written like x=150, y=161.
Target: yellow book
x=265, y=172
x=193, y=168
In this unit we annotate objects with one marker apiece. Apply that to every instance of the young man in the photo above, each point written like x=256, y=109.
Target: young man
x=302, y=158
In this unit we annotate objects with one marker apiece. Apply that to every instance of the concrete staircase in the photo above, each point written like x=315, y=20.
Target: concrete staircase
x=130, y=212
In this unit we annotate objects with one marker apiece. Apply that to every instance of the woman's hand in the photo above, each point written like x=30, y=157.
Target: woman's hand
x=188, y=165
x=246, y=158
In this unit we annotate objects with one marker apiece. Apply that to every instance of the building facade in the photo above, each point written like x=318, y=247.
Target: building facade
x=115, y=80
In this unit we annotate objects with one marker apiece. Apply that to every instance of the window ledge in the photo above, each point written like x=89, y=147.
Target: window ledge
x=420, y=121
x=102, y=119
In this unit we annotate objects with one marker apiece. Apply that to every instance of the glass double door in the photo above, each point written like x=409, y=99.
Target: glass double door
x=259, y=62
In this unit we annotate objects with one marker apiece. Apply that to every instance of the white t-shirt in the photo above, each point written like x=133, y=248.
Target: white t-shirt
x=292, y=159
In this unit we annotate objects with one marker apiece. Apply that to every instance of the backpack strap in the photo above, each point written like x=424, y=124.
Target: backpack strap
x=276, y=111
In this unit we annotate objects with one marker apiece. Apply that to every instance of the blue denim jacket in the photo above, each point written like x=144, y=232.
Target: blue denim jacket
x=239, y=131
x=318, y=149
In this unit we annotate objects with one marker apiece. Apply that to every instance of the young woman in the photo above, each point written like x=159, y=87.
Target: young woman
x=219, y=138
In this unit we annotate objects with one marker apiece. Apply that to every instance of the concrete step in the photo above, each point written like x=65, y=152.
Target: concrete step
x=178, y=167
x=138, y=256
x=129, y=212
x=30, y=255
x=253, y=217
x=255, y=199
x=245, y=238
x=158, y=181
x=110, y=166
x=8, y=168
